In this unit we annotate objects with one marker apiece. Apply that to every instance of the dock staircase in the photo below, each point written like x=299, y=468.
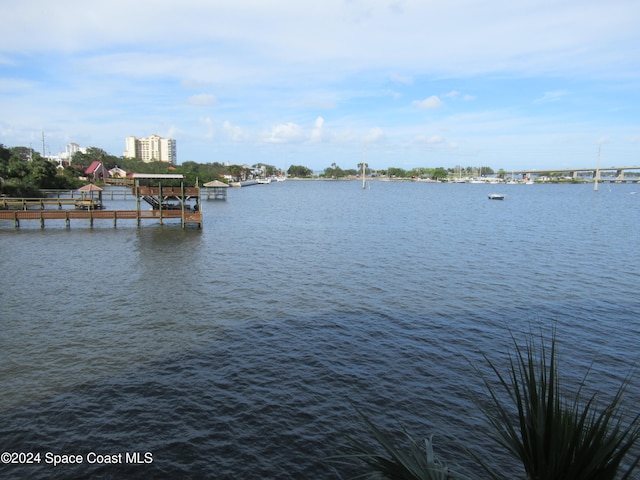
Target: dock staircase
x=153, y=201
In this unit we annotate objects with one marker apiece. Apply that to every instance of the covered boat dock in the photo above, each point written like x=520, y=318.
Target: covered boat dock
x=165, y=193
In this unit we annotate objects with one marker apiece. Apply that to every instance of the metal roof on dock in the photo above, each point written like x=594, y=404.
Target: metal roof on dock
x=159, y=176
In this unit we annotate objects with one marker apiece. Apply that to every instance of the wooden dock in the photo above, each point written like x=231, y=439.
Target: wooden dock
x=168, y=202
x=67, y=215
x=42, y=203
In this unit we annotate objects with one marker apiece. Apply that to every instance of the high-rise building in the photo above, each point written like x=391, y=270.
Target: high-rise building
x=152, y=149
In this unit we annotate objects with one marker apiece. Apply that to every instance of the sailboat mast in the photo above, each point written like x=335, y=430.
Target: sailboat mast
x=364, y=168
x=595, y=185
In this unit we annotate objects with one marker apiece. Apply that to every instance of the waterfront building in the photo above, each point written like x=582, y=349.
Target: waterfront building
x=96, y=171
x=117, y=172
x=152, y=149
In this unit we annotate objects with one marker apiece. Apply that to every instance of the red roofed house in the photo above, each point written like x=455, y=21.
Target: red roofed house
x=97, y=171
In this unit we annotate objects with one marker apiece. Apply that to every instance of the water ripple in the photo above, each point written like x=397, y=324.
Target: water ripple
x=240, y=351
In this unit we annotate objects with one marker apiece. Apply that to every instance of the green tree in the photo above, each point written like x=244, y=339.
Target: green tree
x=43, y=174
x=16, y=179
x=439, y=174
x=299, y=171
x=68, y=178
x=234, y=171
x=17, y=167
x=397, y=172
x=25, y=153
x=420, y=172
x=334, y=171
x=5, y=155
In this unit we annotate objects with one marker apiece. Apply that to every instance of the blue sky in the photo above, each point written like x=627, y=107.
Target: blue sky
x=421, y=83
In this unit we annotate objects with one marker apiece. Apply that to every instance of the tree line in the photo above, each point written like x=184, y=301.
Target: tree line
x=24, y=172
x=437, y=173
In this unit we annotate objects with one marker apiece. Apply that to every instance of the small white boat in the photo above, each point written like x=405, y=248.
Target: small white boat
x=496, y=196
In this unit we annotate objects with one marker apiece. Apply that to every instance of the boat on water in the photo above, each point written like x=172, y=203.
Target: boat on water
x=496, y=196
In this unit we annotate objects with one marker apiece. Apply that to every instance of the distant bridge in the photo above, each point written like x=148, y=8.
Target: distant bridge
x=595, y=173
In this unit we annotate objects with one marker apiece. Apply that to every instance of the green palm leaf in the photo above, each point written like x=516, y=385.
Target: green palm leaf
x=557, y=437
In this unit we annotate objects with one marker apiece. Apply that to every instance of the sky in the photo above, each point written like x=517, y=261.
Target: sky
x=396, y=83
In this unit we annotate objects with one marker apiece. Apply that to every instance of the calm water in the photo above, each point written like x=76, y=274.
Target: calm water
x=242, y=350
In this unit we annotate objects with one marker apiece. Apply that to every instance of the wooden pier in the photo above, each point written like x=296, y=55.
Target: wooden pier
x=42, y=203
x=67, y=215
x=166, y=202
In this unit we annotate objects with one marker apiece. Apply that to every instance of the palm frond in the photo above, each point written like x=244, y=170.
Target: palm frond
x=391, y=461
x=553, y=435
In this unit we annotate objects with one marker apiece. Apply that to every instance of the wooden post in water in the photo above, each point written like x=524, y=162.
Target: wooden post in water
x=182, y=202
x=137, y=189
x=160, y=200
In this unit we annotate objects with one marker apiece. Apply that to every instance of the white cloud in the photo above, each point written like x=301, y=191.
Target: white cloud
x=431, y=103
x=270, y=63
x=544, y=36
x=203, y=99
x=405, y=80
x=432, y=140
x=375, y=135
x=208, y=128
x=456, y=94
x=391, y=93
x=285, y=133
x=233, y=132
x=317, y=133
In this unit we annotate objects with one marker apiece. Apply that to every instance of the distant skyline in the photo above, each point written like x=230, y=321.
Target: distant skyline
x=415, y=83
